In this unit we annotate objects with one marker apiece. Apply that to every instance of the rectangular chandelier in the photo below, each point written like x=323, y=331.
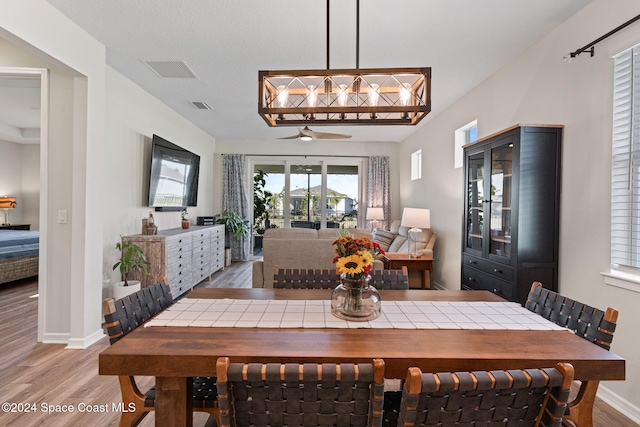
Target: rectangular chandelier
x=363, y=96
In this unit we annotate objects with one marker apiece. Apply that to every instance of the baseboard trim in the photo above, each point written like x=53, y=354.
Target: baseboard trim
x=621, y=405
x=55, y=338
x=438, y=287
x=82, y=343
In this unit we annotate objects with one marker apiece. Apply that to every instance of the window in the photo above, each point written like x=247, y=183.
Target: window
x=416, y=165
x=625, y=170
x=311, y=191
x=463, y=136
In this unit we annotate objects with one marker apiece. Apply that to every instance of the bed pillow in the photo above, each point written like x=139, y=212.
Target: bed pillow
x=383, y=238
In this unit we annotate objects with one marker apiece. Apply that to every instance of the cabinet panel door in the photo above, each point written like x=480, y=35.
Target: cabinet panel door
x=475, y=202
x=501, y=190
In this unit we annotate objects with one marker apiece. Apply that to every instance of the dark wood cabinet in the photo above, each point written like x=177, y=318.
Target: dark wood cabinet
x=512, y=211
x=15, y=227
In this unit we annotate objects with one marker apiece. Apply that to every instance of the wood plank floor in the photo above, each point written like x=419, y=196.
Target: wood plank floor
x=47, y=374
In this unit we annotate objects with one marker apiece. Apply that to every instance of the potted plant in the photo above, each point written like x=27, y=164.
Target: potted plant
x=185, y=222
x=261, y=200
x=132, y=258
x=235, y=225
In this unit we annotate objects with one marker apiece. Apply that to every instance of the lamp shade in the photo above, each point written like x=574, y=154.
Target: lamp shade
x=375, y=213
x=7, y=202
x=416, y=218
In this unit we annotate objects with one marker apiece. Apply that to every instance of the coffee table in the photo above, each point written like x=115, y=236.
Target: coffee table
x=395, y=260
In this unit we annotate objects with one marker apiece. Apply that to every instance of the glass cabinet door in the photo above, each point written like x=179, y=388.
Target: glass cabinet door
x=475, y=199
x=501, y=189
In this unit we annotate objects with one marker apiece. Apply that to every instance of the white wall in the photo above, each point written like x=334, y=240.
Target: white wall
x=31, y=185
x=133, y=116
x=19, y=178
x=539, y=87
x=99, y=130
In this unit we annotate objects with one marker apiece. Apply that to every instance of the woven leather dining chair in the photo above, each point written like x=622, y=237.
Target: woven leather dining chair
x=390, y=278
x=309, y=395
x=124, y=315
x=531, y=397
x=307, y=278
x=588, y=322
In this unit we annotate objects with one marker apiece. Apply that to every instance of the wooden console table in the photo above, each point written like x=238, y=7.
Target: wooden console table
x=396, y=260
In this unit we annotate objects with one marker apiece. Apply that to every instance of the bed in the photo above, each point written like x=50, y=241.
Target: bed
x=18, y=254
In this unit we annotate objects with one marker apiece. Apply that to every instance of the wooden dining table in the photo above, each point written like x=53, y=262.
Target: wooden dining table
x=175, y=354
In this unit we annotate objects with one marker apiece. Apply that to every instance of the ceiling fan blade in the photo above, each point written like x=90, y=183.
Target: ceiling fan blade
x=327, y=135
x=291, y=137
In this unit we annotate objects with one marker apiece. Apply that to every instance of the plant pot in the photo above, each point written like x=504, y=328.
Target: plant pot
x=186, y=224
x=257, y=241
x=119, y=290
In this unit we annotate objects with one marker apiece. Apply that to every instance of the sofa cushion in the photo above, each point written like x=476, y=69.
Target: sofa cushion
x=290, y=233
x=383, y=238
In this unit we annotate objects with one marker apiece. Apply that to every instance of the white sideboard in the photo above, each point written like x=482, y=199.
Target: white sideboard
x=184, y=257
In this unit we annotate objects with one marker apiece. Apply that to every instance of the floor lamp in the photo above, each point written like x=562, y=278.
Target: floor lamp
x=417, y=219
x=374, y=215
x=7, y=203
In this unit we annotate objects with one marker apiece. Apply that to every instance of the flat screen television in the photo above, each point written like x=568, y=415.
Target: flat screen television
x=173, y=182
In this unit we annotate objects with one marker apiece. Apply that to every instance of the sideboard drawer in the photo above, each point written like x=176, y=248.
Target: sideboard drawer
x=500, y=271
x=478, y=280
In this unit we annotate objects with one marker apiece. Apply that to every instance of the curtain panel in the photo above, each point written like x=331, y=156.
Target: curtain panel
x=235, y=198
x=379, y=187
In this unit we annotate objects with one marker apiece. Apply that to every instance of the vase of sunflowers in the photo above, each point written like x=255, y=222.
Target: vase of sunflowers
x=354, y=298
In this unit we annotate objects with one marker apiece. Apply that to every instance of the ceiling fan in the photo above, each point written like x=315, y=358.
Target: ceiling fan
x=306, y=134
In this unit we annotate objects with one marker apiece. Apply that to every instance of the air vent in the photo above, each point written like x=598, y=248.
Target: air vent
x=201, y=105
x=171, y=69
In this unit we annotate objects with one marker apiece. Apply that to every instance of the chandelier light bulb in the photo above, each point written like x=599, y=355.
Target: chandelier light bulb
x=312, y=96
x=283, y=96
x=404, y=93
x=343, y=95
x=374, y=94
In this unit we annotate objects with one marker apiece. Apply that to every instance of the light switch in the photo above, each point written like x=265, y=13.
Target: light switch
x=62, y=217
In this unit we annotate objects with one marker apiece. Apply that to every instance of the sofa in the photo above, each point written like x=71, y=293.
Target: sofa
x=299, y=248
x=396, y=240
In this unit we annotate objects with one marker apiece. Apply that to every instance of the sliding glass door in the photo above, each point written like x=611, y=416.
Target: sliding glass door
x=310, y=192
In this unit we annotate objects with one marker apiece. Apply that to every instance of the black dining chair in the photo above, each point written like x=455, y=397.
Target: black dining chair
x=390, y=278
x=308, y=278
x=590, y=323
x=305, y=278
x=292, y=394
x=124, y=315
x=529, y=397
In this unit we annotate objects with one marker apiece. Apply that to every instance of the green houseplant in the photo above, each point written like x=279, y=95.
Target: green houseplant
x=132, y=258
x=261, y=200
x=234, y=224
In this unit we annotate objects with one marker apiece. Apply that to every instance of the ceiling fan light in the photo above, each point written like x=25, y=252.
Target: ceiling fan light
x=305, y=138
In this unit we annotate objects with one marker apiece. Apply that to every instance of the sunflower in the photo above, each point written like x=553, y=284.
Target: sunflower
x=351, y=265
x=366, y=256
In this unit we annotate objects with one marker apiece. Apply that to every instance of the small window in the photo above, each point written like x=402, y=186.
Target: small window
x=416, y=165
x=463, y=136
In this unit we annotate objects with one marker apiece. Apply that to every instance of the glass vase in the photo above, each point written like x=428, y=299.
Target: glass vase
x=354, y=299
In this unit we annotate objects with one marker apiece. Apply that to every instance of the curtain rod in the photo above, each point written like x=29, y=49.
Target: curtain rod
x=591, y=46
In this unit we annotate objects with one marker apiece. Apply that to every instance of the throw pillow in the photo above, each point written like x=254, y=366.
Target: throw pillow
x=383, y=238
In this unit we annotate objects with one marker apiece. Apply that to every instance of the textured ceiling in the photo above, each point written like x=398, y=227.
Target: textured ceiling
x=226, y=42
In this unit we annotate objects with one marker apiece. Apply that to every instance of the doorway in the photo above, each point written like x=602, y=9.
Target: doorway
x=23, y=132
